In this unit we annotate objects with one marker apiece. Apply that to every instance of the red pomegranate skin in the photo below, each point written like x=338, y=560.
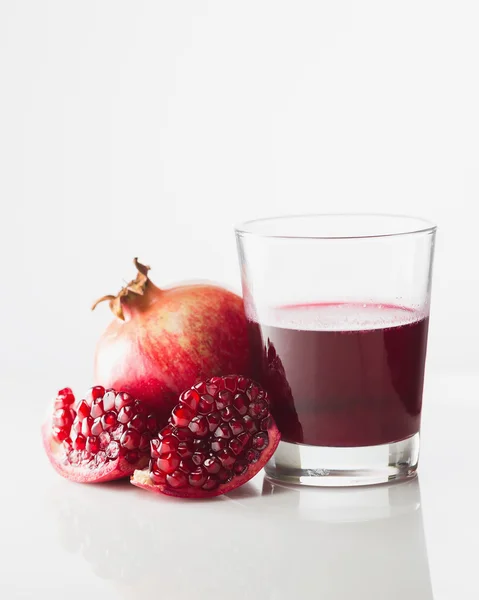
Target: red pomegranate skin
x=171, y=339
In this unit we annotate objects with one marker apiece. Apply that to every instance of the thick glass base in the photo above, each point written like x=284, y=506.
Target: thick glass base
x=343, y=467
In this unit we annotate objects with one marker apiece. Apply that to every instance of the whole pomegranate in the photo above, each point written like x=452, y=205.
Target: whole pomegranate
x=163, y=341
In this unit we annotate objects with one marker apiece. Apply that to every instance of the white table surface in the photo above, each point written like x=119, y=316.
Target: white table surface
x=416, y=540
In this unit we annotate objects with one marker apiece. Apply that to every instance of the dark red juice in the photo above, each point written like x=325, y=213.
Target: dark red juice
x=342, y=374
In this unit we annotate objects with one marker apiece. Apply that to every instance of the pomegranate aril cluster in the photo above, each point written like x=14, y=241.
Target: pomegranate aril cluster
x=103, y=426
x=216, y=431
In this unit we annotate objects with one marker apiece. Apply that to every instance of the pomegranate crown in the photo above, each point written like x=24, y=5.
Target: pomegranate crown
x=136, y=286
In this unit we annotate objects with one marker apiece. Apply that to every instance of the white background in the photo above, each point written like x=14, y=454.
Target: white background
x=151, y=128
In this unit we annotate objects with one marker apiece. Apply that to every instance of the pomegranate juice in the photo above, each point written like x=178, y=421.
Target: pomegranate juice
x=342, y=374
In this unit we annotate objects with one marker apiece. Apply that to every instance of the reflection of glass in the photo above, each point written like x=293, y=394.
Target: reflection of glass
x=338, y=314
x=365, y=543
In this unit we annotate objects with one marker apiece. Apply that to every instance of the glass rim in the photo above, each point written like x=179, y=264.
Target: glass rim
x=423, y=226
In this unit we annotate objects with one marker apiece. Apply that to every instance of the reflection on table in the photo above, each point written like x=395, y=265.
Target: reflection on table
x=263, y=541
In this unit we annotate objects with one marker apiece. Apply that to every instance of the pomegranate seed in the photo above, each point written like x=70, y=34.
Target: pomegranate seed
x=210, y=484
x=168, y=430
x=168, y=462
x=97, y=409
x=62, y=417
x=157, y=477
x=59, y=434
x=86, y=426
x=181, y=416
x=109, y=420
x=236, y=447
x=168, y=444
x=130, y=439
x=65, y=397
x=187, y=465
x=154, y=448
x=139, y=423
x=113, y=450
x=200, y=444
x=252, y=456
x=218, y=444
x=244, y=439
x=152, y=423
x=132, y=457
x=197, y=478
x=260, y=441
x=258, y=409
x=252, y=392
x=76, y=427
x=185, y=449
x=225, y=398
x=109, y=400
x=183, y=435
x=223, y=431
x=224, y=476
x=79, y=442
x=206, y=404
x=97, y=427
x=177, y=479
x=230, y=383
x=240, y=467
x=144, y=444
x=122, y=399
x=94, y=393
x=92, y=444
x=212, y=389
x=213, y=420
x=266, y=423
x=198, y=458
x=199, y=426
x=255, y=409
x=242, y=384
x=217, y=382
x=241, y=403
x=83, y=410
x=228, y=413
x=212, y=465
x=236, y=426
x=126, y=414
x=227, y=458
x=67, y=444
x=250, y=424
x=190, y=398
x=200, y=387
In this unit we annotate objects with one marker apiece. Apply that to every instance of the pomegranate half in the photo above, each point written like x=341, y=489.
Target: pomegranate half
x=102, y=437
x=163, y=341
x=218, y=437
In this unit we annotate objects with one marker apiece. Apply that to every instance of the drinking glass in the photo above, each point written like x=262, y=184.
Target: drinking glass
x=338, y=314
